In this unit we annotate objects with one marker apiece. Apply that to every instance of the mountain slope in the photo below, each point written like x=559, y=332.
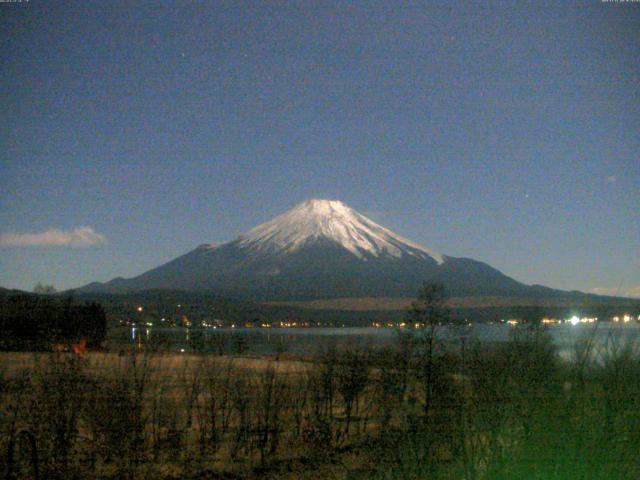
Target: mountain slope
x=318, y=250
x=334, y=221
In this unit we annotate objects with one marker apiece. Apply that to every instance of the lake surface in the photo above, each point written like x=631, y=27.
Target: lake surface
x=307, y=340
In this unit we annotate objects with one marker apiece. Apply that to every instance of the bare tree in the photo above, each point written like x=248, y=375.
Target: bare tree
x=428, y=313
x=352, y=376
x=270, y=393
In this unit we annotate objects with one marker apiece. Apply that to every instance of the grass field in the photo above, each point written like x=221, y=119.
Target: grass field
x=417, y=410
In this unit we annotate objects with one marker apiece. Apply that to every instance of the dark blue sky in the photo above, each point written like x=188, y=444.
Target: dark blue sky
x=506, y=133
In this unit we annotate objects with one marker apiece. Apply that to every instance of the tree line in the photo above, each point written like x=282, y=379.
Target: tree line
x=37, y=323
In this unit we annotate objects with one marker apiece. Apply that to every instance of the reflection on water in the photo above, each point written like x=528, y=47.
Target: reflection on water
x=566, y=337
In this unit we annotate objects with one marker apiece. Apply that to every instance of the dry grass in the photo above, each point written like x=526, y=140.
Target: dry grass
x=163, y=363
x=498, y=412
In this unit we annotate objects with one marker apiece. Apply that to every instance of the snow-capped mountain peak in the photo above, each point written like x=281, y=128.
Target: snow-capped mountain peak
x=331, y=220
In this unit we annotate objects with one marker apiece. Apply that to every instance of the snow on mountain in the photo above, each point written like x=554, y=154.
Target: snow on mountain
x=322, y=249
x=332, y=220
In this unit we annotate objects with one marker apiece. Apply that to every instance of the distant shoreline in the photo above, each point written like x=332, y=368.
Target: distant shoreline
x=397, y=304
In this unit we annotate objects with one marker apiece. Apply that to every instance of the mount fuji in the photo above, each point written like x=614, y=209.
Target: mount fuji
x=321, y=249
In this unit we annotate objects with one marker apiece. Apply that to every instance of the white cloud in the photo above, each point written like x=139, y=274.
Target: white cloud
x=632, y=292
x=78, y=237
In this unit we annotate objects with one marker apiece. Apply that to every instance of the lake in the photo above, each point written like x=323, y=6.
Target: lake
x=307, y=340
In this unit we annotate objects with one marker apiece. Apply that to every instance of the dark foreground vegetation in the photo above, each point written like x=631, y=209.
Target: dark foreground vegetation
x=422, y=409
x=37, y=322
